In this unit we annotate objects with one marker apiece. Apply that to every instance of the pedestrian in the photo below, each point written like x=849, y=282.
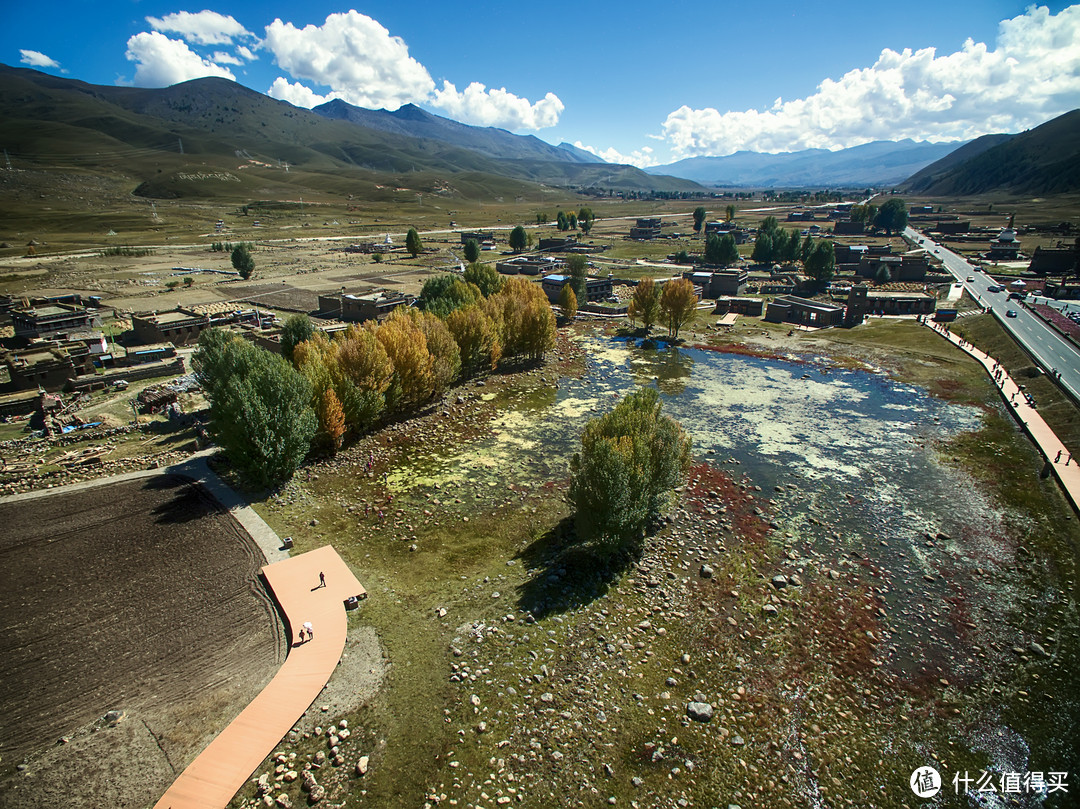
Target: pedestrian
x=1058, y=458
x=301, y=636
x=322, y=579
x=1068, y=459
x=310, y=633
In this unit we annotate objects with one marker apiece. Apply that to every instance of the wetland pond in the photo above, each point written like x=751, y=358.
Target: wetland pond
x=854, y=465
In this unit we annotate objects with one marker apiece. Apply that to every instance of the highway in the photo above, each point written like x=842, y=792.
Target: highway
x=1049, y=348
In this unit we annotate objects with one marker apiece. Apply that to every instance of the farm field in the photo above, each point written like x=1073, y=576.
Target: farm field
x=139, y=598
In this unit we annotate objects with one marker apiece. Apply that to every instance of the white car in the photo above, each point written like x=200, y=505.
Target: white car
x=971, y=277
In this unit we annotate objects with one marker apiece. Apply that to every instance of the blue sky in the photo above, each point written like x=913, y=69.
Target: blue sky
x=640, y=82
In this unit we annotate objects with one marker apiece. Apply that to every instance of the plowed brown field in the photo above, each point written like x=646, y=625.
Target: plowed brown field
x=139, y=597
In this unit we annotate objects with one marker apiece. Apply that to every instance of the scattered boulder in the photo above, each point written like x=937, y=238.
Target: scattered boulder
x=699, y=711
x=707, y=571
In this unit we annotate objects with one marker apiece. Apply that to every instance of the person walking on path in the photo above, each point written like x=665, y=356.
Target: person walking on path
x=310, y=633
x=1058, y=458
x=322, y=579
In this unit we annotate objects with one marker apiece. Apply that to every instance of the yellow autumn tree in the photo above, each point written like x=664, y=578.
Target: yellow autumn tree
x=405, y=344
x=331, y=419
x=477, y=338
x=646, y=302
x=678, y=305
x=445, y=354
x=527, y=324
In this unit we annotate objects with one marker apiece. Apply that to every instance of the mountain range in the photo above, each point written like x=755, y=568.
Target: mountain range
x=169, y=141
x=877, y=164
x=157, y=135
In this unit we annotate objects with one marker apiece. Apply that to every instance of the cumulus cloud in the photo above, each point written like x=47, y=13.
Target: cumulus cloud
x=297, y=94
x=161, y=61
x=202, y=28
x=37, y=59
x=362, y=63
x=245, y=53
x=481, y=106
x=223, y=58
x=642, y=158
x=1032, y=74
x=355, y=56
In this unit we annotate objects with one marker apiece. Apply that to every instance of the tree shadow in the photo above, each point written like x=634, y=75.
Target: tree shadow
x=570, y=573
x=187, y=504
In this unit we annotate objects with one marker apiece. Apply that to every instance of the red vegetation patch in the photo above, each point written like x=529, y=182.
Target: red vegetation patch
x=709, y=489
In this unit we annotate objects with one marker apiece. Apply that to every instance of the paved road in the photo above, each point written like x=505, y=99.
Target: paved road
x=1048, y=347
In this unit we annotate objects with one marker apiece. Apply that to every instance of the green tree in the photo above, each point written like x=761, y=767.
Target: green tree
x=631, y=459
x=805, y=250
x=892, y=216
x=585, y=220
x=242, y=261
x=571, y=221
x=860, y=213
x=260, y=407
x=699, y=218
x=882, y=274
x=413, y=243
x=763, y=249
x=472, y=250
x=442, y=294
x=543, y=218
x=646, y=302
x=720, y=250
x=568, y=302
x=821, y=263
x=485, y=278
x=172, y=285
x=678, y=305
x=189, y=282
x=518, y=239
x=296, y=330
x=729, y=213
x=561, y=221
x=578, y=269
x=793, y=248
x=727, y=251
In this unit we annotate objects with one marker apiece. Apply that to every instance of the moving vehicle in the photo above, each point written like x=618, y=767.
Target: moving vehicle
x=1010, y=313
x=971, y=277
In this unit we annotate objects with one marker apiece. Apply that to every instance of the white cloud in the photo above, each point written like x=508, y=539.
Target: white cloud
x=202, y=28
x=297, y=94
x=245, y=53
x=355, y=56
x=1032, y=75
x=359, y=60
x=37, y=59
x=642, y=158
x=223, y=58
x=161, y=61
x=481, y=106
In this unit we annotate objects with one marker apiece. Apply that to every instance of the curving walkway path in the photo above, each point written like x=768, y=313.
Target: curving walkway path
x=222, y=769
x=1057, y=455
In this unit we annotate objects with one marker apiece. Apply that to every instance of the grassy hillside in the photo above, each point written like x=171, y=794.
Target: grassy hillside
x=1044, y=160
x=213, y=137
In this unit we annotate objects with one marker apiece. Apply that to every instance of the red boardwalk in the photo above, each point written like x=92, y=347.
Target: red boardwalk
x=229, y=761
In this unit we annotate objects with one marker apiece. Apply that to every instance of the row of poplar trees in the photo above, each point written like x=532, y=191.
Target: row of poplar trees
x=269, y=411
